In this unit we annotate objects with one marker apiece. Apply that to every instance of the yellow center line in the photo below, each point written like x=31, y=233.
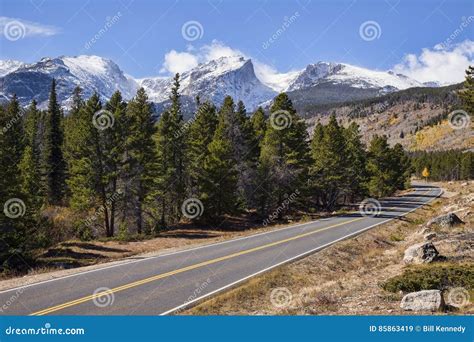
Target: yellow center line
x=181, y=270
x=184, y=269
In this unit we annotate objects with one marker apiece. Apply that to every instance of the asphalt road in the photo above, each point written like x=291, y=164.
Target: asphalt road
x=167, y=283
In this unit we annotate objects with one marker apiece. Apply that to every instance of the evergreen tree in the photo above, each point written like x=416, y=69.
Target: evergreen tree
x=467, y=94
x=355, y=156
x=31, y=160
x=380, y=167
x=52, y=162
x=200, y=135
x=284, y=157
x=140, y=155
x=220, y=182
x=171, y=154
x=329, y=171
x=17, y=219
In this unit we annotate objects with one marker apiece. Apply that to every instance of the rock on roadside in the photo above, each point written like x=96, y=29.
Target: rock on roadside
x=421, y=253
x=445, y=221
x=426, y=300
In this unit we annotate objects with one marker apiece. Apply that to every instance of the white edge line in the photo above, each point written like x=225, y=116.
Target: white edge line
x=187, y=304
x=161, y=255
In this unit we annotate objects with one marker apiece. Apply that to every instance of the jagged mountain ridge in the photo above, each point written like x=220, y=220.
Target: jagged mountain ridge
x=235, y=76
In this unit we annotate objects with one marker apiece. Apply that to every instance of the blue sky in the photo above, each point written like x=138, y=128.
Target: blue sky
x=144, y=32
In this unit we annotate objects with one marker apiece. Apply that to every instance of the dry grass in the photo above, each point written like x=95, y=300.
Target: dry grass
x=346, y=278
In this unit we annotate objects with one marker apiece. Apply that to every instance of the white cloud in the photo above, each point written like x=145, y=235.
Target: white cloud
x=184, y=61
x=443, y=64
x=14, y=28
x=179, y=62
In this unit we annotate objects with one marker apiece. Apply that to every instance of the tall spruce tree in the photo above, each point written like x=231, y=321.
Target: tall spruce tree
x=171, y=165
x=30, y=164
x=52, y=162
x=220, y=181
x=329, y=171
x=140, y=156
x=200, y=135
x=284, y=157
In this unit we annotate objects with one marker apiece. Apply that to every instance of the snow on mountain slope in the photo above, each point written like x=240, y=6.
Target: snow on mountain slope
x=357, y=77
x=233, y=76
x=9, y=66
x=91, y=73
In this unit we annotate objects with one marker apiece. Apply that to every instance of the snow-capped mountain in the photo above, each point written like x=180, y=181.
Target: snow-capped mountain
x=356, y=77
x=9, y=66
x=321, y=82
x=91, y=73
x=233, y=76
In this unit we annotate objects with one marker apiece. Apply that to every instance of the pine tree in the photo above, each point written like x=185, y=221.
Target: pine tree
x=467, y=94
x=330, y=169
x=171, y=152
x=220, y=182
x=52, y=162
x=380, y=168
x=200, y=135
x=355, y=156
x=31, y=159
x=17, y=219
x=284, y=157
x=140, y=155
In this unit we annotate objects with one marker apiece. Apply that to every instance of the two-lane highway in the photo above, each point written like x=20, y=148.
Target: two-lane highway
x=167, y=283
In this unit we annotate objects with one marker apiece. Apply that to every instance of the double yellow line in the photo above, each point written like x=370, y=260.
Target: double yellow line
x=180, y=270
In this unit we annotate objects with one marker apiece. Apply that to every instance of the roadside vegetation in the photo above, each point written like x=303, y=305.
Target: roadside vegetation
x=115, y=171
x=367, y=274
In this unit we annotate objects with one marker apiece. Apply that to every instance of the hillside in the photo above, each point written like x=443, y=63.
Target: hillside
x=415, y=118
